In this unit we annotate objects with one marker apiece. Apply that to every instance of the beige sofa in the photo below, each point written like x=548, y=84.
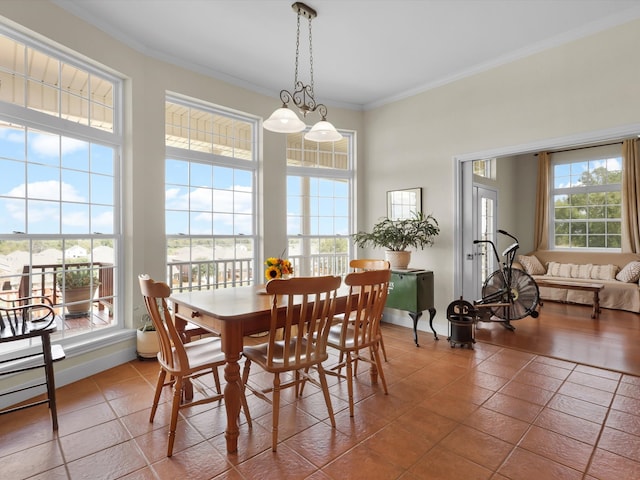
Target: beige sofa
x=618, y=272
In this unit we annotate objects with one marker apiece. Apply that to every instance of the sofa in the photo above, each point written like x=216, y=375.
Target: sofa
x=618, y=272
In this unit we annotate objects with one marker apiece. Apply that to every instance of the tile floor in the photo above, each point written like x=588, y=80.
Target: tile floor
x=486, y=413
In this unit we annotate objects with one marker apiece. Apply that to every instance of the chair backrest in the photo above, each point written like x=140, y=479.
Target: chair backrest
x=25, y=314
x=155, y=294
x=365, y=305
x=303, y=307
x=369, y=264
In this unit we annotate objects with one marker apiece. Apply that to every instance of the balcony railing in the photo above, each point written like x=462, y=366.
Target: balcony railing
x=41, y=280
x=210, y=274
x=213, y=274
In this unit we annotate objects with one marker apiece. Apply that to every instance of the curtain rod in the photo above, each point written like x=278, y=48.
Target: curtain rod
x=582, y=148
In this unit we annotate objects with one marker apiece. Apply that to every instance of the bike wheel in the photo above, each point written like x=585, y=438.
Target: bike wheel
x=524, y=294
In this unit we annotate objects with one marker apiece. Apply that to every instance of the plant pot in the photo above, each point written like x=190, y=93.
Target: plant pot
x=398, y=260
x=147, y=345
x=78, y=300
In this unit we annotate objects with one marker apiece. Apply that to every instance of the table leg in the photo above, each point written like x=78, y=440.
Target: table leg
x=232, y=401
x=596, y=304
x=373, y=371
x=415, y=316
x=232, y=341
x=432, y=313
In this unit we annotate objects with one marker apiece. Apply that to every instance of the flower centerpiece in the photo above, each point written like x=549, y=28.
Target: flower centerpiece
x=277, y=268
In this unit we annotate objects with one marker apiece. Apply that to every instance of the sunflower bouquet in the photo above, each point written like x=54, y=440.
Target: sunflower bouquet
x=277, y=268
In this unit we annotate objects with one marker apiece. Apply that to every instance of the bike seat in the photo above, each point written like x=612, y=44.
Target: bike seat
x=511, y=248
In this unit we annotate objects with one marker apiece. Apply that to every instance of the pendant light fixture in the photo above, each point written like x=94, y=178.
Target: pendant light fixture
x=284, y=120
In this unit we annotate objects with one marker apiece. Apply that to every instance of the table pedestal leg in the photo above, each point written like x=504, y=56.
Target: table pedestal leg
x=373, y=371
x=232, y=401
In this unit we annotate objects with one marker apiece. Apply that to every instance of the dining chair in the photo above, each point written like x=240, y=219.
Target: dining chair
x=364, y=264
x=24, y=320
x=183, y=362
x=303, y=308
x=353, y=339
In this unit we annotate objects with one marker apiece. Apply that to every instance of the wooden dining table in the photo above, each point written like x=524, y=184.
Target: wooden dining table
x=232, y=313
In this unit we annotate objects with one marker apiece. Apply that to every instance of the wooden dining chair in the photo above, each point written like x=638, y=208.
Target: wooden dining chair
x=181, y=362
x=364, y=264
x=303, y=308
x=360, y=338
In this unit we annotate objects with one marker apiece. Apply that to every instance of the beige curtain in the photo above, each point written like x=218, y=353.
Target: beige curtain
x=541, y=230
x=630, y=196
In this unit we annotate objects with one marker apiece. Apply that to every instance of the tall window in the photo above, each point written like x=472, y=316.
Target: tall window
x=586, y=198
x=210, y=196
x=319, y=205
x=60, y=146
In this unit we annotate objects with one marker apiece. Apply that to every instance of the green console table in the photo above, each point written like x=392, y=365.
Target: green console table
x=412, y=290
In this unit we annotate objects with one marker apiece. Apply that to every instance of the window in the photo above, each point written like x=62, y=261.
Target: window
x=586, y=207
x=210, y=196
x=485, y=168
x=319, y=206
x=60, y=146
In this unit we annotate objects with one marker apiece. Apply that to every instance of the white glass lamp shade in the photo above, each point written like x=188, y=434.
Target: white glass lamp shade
x=323, y=131
x=284, y=120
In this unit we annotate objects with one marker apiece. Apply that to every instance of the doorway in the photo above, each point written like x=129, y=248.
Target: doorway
x=466, y=268
x=486, y=212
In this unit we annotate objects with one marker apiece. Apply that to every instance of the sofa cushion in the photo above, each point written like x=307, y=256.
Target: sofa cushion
x=581, y=271
x=555, y=269
x=630, y=273
x=531, y=264
x=604, y=272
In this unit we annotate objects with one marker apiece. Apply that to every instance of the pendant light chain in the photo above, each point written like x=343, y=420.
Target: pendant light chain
x=295, y=82
x=310, y=56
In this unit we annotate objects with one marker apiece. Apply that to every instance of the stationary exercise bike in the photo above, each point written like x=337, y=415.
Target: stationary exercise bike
x=507, y=294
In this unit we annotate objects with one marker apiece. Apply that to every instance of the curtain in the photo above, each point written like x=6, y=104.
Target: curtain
x=541, y=228
x=630, y=196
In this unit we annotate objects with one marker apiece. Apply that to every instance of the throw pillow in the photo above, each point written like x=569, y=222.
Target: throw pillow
x=555, y=269
x=630, y=273
x=604, y=272
x=582, y=271
x=531, y=264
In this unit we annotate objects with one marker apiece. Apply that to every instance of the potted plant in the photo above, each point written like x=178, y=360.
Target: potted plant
x=417, y=231
x=147, y=344
x=78, y=286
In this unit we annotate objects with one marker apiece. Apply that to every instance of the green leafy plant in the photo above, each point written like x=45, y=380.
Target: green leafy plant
x=76, y=277
x=417, y=231
x=146, y=324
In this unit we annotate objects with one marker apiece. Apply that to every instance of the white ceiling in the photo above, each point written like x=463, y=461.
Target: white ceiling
x=365, y=52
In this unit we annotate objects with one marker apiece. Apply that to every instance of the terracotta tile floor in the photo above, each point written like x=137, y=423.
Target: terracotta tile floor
x=486, y=413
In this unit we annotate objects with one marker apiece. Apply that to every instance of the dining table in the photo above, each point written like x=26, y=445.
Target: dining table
x=233, y=313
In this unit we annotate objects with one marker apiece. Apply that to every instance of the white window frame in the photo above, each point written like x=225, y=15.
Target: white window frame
x=306, y=263
x=242, y=271
x=23, y=116
x=575, y=156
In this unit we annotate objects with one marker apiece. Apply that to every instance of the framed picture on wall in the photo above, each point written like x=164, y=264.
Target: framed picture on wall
x=404, y=203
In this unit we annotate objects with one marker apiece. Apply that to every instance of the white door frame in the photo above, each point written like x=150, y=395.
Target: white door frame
x=460, y=187
x=483, y=191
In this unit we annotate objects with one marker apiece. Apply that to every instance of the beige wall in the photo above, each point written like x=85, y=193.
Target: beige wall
x=588, y=85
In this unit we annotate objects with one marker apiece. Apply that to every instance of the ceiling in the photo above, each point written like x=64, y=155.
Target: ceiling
x=365, y=52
